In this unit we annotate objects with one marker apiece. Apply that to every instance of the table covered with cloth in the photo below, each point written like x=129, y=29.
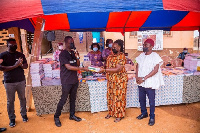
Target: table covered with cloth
x=91, y=96
x=46, y=99
x=170, y=93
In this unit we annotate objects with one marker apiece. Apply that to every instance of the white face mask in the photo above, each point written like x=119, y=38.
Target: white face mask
x=110, y=45
x=60, y=47
x=95, y=49
x=126, y=56
x=185, y=51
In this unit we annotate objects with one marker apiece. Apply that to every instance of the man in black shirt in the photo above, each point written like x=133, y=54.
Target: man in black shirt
x=12, y=64
x=69, y=62
x=183, y=54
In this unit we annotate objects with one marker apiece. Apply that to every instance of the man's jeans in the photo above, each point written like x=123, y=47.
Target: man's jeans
x=11, y=88
x=142, y=99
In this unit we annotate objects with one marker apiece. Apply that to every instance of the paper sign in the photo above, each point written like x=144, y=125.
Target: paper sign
x=155, y=35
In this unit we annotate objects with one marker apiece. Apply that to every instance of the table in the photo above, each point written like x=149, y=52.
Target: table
x=191, y=89
x=170, y=93
x=91, y=96
x=46, y=99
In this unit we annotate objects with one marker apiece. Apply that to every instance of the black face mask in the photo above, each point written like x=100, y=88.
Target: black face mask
x=145, y=49
x=13, y=48
x=114, y=51
x=72, y=46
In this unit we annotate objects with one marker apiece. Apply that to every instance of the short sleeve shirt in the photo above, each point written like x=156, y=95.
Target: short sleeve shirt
x=106, y=52
x=67, y=76
x=95, y=58
x=9, y=59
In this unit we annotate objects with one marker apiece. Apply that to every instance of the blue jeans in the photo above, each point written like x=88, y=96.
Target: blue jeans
x=142, y=99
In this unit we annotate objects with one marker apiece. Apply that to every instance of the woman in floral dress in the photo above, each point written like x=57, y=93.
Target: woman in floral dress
x=95, y=55
x=117, y=82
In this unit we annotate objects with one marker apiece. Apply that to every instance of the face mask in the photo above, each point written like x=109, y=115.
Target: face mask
x=126, y=56
x=114, y=51
x=110, y=45
x=60, y=47
x=72, y=46
x=145, y=49
x=95, y=49
x=13, y=48
x=184, y=51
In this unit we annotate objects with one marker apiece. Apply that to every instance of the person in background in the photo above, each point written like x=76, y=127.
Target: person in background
x=148, y=77
x=57, y=52
x=128, y=61
x=116, y=82
x=106, y=52
x=95, y=55
x=13, y=63
x=183, y=54
x=69, y=65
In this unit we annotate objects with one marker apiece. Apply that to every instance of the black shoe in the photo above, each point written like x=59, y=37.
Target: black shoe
x=2, y=129
x=57, y=122
x=151, y=122
x=25, y=118
x=75, y=118
x=12, y=123
x=142, y=116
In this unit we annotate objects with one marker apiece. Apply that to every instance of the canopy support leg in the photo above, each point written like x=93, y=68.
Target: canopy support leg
x=36, y=48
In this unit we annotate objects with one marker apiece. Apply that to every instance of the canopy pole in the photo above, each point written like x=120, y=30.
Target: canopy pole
x=198, y=41
x=36, y=48
x=124, y=40
x=86, y=41
x=124, y=29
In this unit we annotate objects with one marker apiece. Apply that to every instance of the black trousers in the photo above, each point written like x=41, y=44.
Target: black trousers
x=71, y=90
x=142, y=99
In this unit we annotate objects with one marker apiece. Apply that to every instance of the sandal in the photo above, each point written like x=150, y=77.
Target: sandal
x=108, y=116
x=118, y=120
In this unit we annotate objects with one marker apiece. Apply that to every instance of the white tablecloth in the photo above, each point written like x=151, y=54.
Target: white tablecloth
x=170, y=93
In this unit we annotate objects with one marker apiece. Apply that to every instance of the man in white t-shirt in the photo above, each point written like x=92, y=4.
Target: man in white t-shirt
x=148, y=78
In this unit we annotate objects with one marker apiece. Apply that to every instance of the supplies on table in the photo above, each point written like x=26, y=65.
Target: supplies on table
x=192, y=62
x=51, y=81
x=86, y=61
x=198, y=66
x=173, y=71
x=197, y=73
x=37, y=72
x=56, y=73
x=131, y=74
x=47, y=59
x=85, y=74
x=48, y=67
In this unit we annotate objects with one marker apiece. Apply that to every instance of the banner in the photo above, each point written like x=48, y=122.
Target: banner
x=80, y=35
x=155, y=35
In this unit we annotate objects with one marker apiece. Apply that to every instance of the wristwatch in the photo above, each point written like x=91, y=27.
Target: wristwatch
x=143, y=79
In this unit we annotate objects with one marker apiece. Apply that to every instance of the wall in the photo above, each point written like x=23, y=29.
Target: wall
x=172, y=45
